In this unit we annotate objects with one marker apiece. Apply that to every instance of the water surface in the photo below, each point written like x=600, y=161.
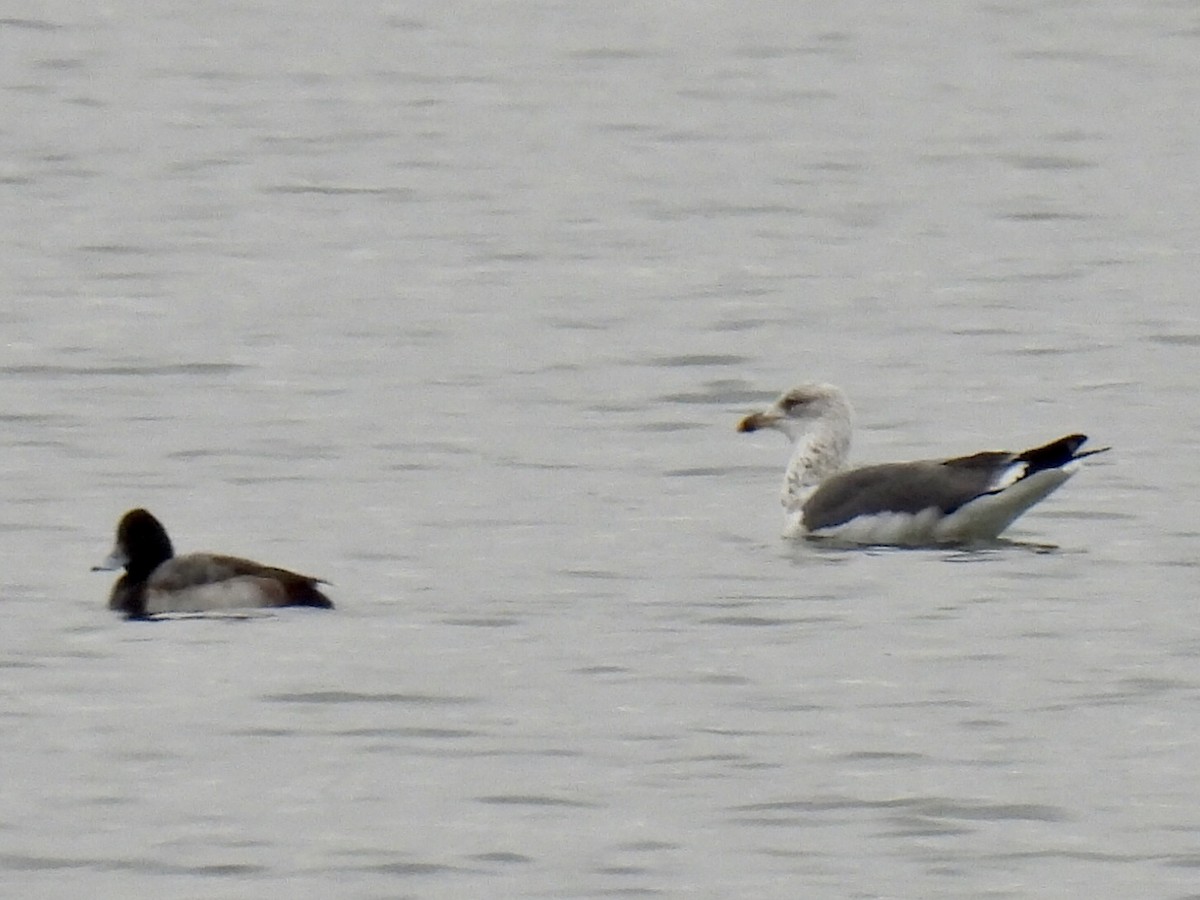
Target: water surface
x=457, y=306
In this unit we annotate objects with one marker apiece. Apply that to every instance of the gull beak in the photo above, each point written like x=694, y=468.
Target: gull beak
x=758, y=420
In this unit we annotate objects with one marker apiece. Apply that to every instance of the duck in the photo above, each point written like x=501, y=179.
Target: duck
x=955, y=500
x=157, y=581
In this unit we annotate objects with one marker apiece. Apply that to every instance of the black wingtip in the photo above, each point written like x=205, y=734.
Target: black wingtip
x=1057, y=454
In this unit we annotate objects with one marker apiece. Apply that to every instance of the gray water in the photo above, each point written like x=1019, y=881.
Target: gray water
x=457, y=305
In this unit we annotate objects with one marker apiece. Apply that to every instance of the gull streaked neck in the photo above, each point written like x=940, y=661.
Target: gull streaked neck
x=817, y=418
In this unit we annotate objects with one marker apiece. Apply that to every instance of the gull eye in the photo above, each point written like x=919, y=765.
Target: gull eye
x=790, y=403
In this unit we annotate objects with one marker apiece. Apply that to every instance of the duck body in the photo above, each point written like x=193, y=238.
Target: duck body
x=157, y=581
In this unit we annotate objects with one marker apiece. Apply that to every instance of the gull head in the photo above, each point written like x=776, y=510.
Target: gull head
x=799, y=409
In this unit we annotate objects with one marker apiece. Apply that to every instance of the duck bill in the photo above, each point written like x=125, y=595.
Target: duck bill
x=112, y=562
x=757, y=421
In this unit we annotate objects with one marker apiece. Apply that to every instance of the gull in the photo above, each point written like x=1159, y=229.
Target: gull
x=959, y=500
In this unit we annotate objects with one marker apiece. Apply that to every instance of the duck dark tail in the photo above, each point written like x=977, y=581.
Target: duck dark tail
x=306, y=593
x=298, y=590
